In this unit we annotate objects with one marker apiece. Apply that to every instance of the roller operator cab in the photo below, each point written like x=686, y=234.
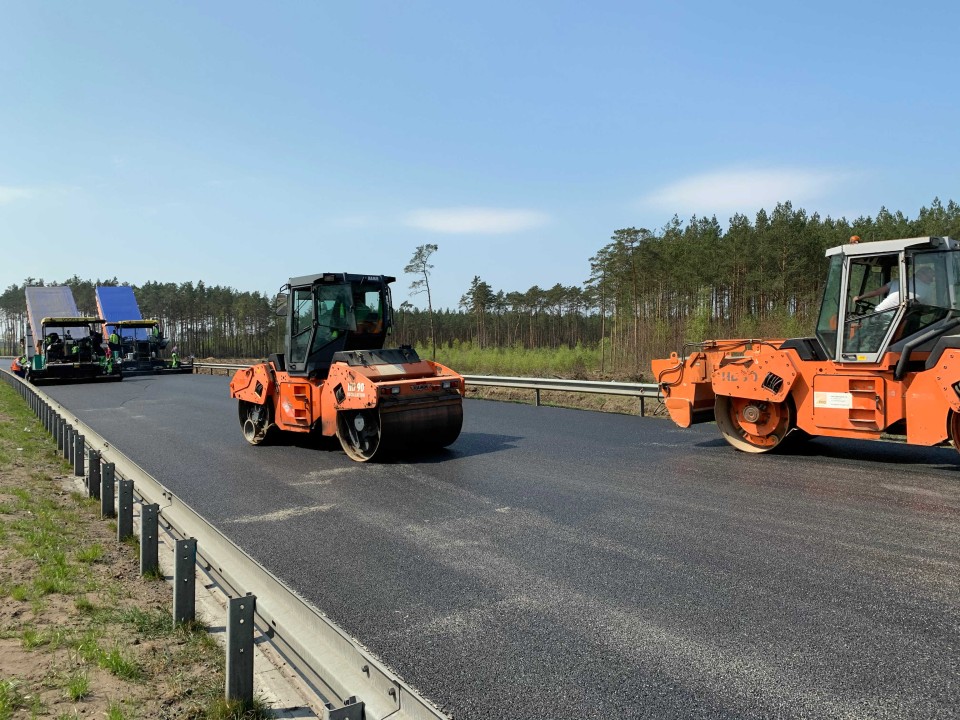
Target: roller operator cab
x=335, y=377
x=885, y=357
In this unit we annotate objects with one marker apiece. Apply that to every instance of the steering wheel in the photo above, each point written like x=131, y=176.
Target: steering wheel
x=862, y=307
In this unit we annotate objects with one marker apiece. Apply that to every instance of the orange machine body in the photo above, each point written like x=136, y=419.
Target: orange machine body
x=307, y=404
x=820, y=398
x=336, y=378
x=873, y=368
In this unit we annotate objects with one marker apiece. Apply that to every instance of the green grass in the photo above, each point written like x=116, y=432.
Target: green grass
x=115, y=712
x=30, y=638
x=78, y=686
x=115, y=662
x=464, y=357
x=52, y=532
x=86, y=645
x=155, y=574
x=93, y=553
x=158, y=623
x=223, y=709
x=10, y=698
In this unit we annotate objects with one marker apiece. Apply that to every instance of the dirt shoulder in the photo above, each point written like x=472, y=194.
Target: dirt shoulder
x=82, y=634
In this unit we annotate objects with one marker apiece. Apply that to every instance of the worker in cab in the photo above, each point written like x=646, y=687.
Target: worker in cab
x=923, y=290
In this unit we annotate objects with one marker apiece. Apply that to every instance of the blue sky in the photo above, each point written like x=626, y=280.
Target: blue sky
x=244, y=143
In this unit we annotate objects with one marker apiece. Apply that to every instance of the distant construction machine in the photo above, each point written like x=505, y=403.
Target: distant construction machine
x=139, y=343
x=876, y=364
x=61, y=345
x=335, y=378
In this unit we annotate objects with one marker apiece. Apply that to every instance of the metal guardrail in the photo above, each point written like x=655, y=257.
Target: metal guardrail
x=348, y=678
x=643, y=391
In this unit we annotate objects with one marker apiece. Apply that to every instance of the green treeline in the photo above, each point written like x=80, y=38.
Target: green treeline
x=648, y=293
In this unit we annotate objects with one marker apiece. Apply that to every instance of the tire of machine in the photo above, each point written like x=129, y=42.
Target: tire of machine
x=359, y=433
x=255, y=421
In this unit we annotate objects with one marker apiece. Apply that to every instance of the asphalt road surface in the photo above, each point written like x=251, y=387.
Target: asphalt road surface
x=565, y=564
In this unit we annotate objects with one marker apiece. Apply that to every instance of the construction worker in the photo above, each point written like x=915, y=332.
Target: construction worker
x=113, y=342
x=19, y=366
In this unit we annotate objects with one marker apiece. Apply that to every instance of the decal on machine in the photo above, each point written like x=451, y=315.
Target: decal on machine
x=734, y=376
x=356, y=390
x=839, y=400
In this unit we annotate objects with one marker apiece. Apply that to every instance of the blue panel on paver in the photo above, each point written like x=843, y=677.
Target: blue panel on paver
x=117, y=303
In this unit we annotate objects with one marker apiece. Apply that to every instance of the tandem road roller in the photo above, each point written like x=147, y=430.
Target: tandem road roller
x=336, y=378
x=885, y=358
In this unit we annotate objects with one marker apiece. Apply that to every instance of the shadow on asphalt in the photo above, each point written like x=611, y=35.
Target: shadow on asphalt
x=882, y=451
x=469, y=444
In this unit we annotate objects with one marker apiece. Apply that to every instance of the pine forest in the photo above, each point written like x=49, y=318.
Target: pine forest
x=648, y=293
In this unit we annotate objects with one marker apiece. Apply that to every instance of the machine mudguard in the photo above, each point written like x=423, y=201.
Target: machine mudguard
x=765, y=373
x=253, y=384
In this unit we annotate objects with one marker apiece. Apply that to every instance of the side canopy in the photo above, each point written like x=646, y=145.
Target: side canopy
x=115, y=304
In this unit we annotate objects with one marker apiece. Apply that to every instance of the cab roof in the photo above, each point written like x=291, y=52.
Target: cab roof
x=145, y=323
x=338, y=278
x=880, y=247
x=71, y=321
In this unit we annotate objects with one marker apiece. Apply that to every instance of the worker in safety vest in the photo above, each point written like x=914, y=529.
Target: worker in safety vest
x=113, y=342
x=19, y=366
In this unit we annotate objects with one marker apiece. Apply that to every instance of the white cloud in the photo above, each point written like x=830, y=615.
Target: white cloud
x=490, y=221
x=12, y=194
x=733, y=191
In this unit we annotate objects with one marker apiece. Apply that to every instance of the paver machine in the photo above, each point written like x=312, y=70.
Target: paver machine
x=140, y=349
x=62, y=345
x=885, y=358
x=335, y=377
x=138, y=344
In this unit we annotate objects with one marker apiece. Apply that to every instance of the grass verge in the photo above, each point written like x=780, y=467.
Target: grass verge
x=81, y=633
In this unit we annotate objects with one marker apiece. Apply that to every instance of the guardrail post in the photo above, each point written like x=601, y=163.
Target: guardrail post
x=125, y=510
x=537, y=391
x=67, y=440
x=642, y=408
x=93, y=479
x=60, y=426
x=185, y=582
x=106, y=491
x=79, y=443
x=149, y=526
x=240, y=648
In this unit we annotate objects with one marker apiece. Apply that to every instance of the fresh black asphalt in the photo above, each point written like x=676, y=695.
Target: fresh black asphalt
x=565, y=564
